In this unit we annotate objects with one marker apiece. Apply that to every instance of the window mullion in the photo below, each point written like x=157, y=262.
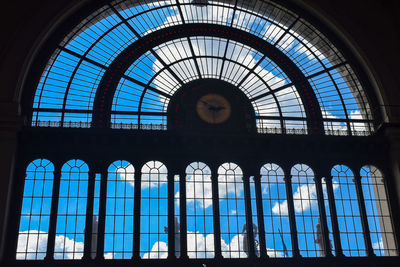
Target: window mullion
x=249, y=217
x=171, y=216
x=136, y=214
x=216, y=217
x=183, y=219
x=322, y=215
x=89, y=216
x=292, y=219
x=260, y=217
x=335, y=223
x=363, y=214
x=51, y=239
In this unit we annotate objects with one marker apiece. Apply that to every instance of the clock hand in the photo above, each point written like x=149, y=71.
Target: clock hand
x=205, y=103
x=216, y=109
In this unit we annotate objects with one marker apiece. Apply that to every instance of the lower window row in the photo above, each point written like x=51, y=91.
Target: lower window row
x=271, y=221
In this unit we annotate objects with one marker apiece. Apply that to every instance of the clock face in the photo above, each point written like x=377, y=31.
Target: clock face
x=213, y=108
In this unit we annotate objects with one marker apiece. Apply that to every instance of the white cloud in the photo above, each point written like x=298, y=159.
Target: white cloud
x=36, y=241
x=274, y=253
x=378, y=245
x=199, y=189
x=304, y=198
x=158, y=251
x=127, y=174
x=200, y=245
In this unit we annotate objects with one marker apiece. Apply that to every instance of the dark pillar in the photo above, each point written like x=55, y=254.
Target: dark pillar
x=136, y=214
x=326, y=248
x=216, y=217
x=171, y=215
x=182, y=204
x=260, y=217
x=292, y=218
x=363, y=214
x=335, y=224
x=89, y=215
x=53, y=212
x=249, y=217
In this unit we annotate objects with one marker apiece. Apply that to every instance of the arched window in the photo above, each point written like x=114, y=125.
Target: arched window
x=35, y=212
x=378, y=211
x=68, y=93
x=275, y=209
x=306, y=211
x=118, y=234
x=71, y=215
x=348, y=213
x=154, y=211
x=232, y=211
x=200, y=226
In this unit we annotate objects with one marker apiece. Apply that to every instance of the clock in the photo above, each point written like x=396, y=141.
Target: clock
x=213, y=108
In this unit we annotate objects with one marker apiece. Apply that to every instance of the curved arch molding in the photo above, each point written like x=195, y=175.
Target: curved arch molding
x=107, y=87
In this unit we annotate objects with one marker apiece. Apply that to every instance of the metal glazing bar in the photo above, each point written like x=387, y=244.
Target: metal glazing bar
x=89, y=216
x=97, y=64
x=322, y=216
x=51, y=239
x=363, y=214
x=124, y=20
x=136, y=214
x=180, y=12
x=272, y=92
x=146, y=86
x=335, y=223
x=326, y=70
x=260, y=217
x=194, y=57
x=251, y=71
x=292, y=218
x=171, y=216
x=287, y=30
x=249, y=218
x=102, y=216
x=183, y=219
x=216, y=217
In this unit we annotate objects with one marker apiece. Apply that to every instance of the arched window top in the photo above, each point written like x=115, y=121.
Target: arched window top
x=42, y=165
x=341, y=172
x=124, y=169
x=70, y=90
x=300, y=171
x=75, y=166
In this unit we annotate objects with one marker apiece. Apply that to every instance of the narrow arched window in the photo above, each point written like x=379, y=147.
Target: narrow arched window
x=306, y=211
x=275, y=209
x=118, y=234
x=378, y=212
x=71, y=216
x=35, y=213
x=200, y=226
x=232, y=211
x=348, y=213
x=154, y=211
